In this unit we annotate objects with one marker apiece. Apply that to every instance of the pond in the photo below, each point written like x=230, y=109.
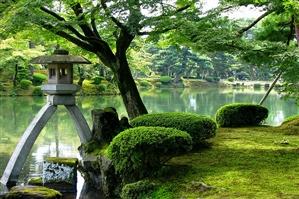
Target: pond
x=59, y=137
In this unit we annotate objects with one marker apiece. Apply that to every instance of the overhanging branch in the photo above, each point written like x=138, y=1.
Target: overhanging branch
x=116, y=21
x=255, y=22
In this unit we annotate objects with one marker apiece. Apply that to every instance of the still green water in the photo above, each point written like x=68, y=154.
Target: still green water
x=59, y=137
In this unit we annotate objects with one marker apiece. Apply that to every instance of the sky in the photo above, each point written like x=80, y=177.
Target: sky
x=242, y=12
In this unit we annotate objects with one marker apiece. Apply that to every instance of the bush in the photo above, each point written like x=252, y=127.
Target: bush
x=237, y=115
x=25, y=84
x=165, y=79
x=144, y=83
x=231, y=79
x=37, y=91
x=139, y=152
x=97, y=80
x=137, y=190
x=38, y=79
x=199, y=127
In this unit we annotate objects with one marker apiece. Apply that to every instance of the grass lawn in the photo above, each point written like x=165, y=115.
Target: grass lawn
x=256, y=162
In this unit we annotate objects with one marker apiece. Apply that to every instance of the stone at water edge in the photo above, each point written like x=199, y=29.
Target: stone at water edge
x=60, y=173
x=32, y=192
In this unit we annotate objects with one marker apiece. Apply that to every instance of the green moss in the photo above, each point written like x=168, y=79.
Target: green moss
x=32, y=192
x=137, y=190
x=199, y=127
x=140, y=152
x=95, y=148
x=242, y=163
x=65, y=161
x=35, y=181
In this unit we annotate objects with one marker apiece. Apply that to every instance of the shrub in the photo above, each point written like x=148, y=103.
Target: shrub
x=97, y=80
x=37, y=91
x=38, y=79
x=231, y=79
x=165, y=79
x=25, y=84
x=139, y=152
x=199, y=127
x=144, y=83
x=137, y=190
x=235, y=115
x=101, y=87
x=212, y=79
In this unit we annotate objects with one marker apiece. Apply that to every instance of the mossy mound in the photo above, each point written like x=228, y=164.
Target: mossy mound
x=199, y=127
x=32, y=192
x=36, y=181
x=140, y=152
x=137, y=190
x=291, y=125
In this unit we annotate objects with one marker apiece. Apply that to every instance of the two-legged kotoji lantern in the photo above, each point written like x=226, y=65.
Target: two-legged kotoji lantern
x=61, y=91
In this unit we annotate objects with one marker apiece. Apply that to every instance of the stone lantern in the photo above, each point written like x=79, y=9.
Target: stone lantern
x=61, y=91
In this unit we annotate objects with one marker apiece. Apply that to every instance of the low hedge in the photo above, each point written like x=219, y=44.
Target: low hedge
x=140, y=152
x=238, y=115
x=199, y=127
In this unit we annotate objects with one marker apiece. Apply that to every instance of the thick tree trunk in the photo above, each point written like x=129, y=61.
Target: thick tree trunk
x=128, y=88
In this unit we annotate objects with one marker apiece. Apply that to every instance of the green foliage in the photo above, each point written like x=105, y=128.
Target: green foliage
x=235, y=115
x=139, y=152
x=165, y=79
x=137, y=190
x=145, y=83
x=199, y=127
x=231, y=79
x=25, y=84
x=37, y=91
x=38, y=79
x=97, y=80
x=212, y=79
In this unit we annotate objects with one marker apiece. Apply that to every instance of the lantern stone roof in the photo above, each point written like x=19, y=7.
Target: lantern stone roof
x=60, y=56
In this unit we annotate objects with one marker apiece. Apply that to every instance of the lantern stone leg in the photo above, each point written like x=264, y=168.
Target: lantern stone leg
x=18, y=158
x=82, y=127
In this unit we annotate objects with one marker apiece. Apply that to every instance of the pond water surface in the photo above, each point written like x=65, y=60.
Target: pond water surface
x=59, y=137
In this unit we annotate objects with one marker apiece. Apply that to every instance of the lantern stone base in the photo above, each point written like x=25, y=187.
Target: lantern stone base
x=61, y=99
x=60, y=89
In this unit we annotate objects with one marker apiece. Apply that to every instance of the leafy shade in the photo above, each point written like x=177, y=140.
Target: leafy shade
x=140, y=152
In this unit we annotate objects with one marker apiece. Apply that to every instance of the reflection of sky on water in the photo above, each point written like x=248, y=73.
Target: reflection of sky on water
x=59, y=137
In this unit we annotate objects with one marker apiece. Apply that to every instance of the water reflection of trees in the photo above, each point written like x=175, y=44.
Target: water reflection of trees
x=59, y=137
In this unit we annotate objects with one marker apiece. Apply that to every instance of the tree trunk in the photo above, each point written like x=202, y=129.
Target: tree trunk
x=128, y=88
x=297, y=32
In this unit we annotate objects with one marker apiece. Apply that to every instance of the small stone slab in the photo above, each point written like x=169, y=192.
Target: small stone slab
x=60, y=173
x=32, y=192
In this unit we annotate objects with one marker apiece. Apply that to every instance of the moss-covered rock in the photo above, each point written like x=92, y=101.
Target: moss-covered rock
x=36, y=181
x=32, y=192
x=62, y=161
x=199, y=127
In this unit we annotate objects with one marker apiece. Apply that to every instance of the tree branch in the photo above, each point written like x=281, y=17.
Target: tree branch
x=255, y=22
x=155, y=32
x=68, y=37
x=93, y=23
x=116, y=21
x=78, y=10
x=69, y=27
x=292, y=30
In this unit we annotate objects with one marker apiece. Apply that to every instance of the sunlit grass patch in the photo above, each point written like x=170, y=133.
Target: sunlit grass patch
x=257, y=162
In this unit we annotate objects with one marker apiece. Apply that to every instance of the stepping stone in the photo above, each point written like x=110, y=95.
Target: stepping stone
x=32, y=192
